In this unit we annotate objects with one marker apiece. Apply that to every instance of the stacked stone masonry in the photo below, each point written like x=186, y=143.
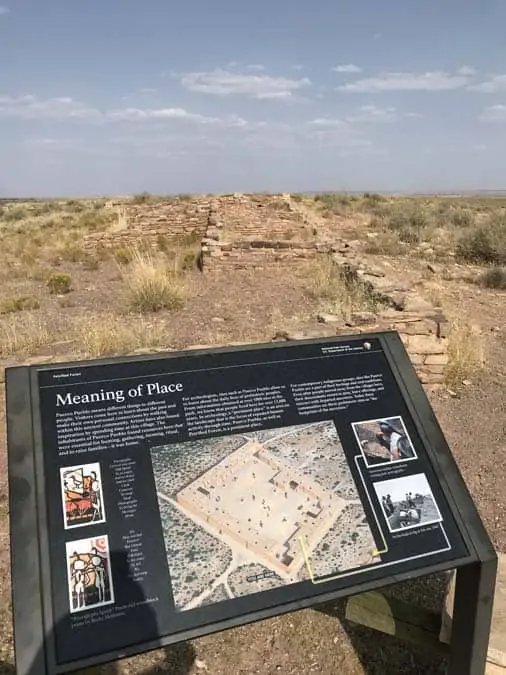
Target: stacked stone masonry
x=252, y=232
x=146, y=223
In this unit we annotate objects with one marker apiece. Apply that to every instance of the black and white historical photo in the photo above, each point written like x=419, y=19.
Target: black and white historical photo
x=407, y=502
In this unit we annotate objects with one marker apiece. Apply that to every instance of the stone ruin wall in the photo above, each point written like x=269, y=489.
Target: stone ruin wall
x=249, y=232
x=145, y=223
x=242, y=232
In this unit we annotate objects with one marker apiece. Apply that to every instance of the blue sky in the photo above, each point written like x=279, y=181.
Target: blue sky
x=116, y=97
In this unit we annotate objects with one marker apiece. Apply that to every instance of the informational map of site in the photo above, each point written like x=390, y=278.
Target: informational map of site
x=249, y=512
x=198, y=490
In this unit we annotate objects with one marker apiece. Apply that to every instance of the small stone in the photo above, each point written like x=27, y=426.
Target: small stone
x=328, y=318
x=200, y=665
x=426, y=344
x=436, y=360
x=467, y=383
x=399, y=300
x=363, y=317
x=452, y=393
x=218, y=319
x=431, y=268
x=415, y=303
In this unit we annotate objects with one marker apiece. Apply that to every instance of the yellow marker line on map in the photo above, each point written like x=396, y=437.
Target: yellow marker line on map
x=375, y=553
x=335, y=576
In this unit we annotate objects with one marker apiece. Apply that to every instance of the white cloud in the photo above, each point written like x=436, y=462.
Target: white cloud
x=64, y=108
x=226, y=83
x=372, y=113
x=494, y=85
x=61, y=108
x=142, y=115
x=347, y=68
x=430, y=81
x=173, y=114
x=494, y=113
x=466, y=70
x=4, y=10
x=325, y=122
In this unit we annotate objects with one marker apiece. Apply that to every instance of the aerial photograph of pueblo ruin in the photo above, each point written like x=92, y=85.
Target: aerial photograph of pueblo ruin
x=250, y=512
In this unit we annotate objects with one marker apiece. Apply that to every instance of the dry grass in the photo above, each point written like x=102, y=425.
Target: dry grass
x=150, y=286
x=27, y=335
x=465, y=351
x=336, y=291
x=18, y=304
x=105, y=335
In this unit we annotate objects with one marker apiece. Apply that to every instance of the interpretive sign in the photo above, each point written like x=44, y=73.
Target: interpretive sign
x=160, y=498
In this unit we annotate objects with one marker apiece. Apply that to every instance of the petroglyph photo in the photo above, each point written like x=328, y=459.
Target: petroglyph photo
x=250, y=512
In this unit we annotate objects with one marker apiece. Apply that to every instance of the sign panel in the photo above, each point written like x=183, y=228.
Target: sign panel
x=181, y=494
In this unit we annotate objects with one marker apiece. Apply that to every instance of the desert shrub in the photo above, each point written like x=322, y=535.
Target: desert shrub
x=75, y=206
x=338, y=290
x=90, y=262
x=163, y=243
x=481, y=246
x=465, y=352
x=462, y=218
x=186, y=260
x=150, y=286
x=183, y=251
x=409, y=236
x=331, y=199
x=44, y=208
x=385, y=243
x=15, y=214
x=280, y=205
x=93, y=221
x=18, y=304
x=296, y=197
x=123, y=256
x=141, y=198
x=334, y=203
x=71, y=252
x=407, y=215
x=59, y=283
x=183, y=197
x=494, y=278
x=373, y=198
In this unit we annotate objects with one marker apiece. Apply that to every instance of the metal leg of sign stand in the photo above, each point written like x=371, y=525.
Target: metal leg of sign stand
x=472, y=617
